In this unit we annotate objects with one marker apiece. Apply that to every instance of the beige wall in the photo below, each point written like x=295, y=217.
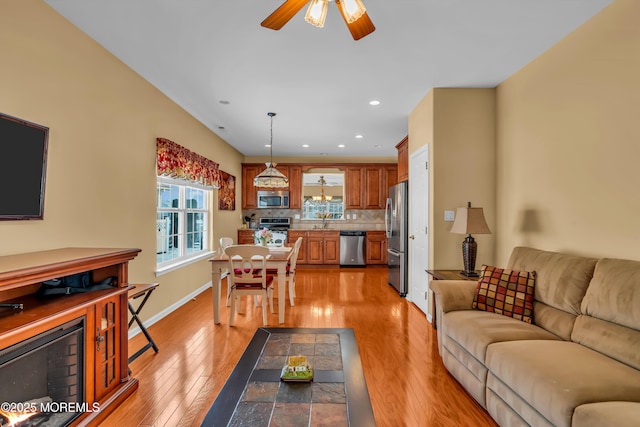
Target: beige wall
x=103, y=120
x=567, y=148
x=459, y=126
x=569, y=143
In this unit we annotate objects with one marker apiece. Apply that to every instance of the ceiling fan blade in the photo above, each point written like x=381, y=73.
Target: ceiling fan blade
x=360, y=28
x=283, y=14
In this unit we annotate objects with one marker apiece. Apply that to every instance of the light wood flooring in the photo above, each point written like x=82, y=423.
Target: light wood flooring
x=407, y=381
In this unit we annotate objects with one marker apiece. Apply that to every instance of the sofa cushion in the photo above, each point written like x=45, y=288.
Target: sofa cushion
x=610, y=322
x=555, y=377
x=614, y=293
x=561, y=282
x=618, y=414
x=476, y=330
x=506, y=292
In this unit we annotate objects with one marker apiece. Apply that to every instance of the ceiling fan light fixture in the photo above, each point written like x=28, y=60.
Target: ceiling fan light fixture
x=271, y=177
x=317, y=13
x=353, y=10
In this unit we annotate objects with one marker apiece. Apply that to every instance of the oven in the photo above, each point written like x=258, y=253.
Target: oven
x=279, y=229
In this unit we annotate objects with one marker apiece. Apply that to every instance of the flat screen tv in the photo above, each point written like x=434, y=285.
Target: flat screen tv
x=23, y=166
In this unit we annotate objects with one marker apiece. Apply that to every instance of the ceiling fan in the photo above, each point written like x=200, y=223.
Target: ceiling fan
x=353, y=12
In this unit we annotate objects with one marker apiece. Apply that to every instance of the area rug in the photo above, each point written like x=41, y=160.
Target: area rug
x=255, y=396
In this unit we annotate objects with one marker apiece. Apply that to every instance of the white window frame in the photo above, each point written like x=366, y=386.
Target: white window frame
x=184, y=257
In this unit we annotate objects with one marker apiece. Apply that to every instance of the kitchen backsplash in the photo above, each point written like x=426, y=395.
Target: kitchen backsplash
x=364, y=219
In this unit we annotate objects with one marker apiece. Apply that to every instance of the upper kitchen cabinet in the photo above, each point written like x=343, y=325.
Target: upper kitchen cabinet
x=249, y=192
x=295, y=187
x=367, y=187
x=353, y=184
x=403, y=159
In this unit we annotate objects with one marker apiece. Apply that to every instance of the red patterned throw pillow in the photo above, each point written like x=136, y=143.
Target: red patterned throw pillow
x=506, y=292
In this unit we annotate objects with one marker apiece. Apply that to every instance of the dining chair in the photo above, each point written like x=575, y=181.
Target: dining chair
x=291, y=270
x=248, y=276
x=291, y=274
x=225, y=242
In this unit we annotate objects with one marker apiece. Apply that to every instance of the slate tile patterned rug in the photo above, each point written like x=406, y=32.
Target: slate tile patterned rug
x=254, y=395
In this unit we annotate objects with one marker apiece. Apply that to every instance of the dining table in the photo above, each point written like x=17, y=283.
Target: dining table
x=278, y=258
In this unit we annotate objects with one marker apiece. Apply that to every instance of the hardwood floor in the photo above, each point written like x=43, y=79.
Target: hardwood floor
x=407, y=381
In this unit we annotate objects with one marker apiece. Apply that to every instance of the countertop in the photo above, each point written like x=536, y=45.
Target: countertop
x=313, y=225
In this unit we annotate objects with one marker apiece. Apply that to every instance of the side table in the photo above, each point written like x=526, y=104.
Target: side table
x=444, y=275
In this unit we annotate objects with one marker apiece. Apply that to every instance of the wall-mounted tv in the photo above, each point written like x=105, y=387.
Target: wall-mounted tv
x=23, y=166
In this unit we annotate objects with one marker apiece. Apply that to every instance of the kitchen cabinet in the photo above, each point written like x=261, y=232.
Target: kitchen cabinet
x=246, y=237
x=403, y=159
x=249, y=193
x=295, y=187
x=376, y=248
x=366, y=184
x=367, y=187
x=374, y=186
x=391, y=179
x=323, y=247
x=353, y=179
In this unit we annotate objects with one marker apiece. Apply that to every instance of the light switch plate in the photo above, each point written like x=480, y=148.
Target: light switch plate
x=449, y=215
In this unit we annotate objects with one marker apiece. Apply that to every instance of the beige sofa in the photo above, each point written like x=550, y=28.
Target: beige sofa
x=577, y=365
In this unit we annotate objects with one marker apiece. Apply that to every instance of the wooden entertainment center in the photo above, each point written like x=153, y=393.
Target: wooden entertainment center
x=103, y=313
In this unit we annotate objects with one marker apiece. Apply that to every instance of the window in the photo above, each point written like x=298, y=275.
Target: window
x=182, y=221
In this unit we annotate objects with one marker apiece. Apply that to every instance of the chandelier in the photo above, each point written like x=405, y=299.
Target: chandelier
x=271, y=177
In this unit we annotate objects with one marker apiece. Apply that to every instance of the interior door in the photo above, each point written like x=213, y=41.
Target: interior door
x=418, y=230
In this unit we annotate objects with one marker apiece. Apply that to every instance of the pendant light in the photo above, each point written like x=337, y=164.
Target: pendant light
x=271, y=177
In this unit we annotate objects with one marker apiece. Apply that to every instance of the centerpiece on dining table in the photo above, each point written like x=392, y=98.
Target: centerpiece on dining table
x=263, y=236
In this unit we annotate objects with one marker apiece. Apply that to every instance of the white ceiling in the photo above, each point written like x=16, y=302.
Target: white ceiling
x=320, y=81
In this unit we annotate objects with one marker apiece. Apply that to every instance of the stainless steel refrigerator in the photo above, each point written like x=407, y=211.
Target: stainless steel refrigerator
x=396, y=223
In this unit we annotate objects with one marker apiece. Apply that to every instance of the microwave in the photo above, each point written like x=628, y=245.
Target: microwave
x=273, y=199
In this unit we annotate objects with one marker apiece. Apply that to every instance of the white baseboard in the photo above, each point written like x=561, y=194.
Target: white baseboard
x=173, y=307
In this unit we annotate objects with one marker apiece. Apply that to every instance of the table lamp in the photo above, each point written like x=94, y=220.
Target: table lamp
x=470, y=221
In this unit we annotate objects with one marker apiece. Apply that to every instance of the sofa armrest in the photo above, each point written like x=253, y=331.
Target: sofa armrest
x=453, y=295
x=450, y=295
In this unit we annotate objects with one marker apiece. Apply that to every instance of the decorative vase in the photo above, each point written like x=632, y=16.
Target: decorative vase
x=263, y=241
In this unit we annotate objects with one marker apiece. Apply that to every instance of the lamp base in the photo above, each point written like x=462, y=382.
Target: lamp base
x=469, y=274
x=469, y=251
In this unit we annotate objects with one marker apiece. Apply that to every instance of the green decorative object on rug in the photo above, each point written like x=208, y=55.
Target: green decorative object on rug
x=297, y=370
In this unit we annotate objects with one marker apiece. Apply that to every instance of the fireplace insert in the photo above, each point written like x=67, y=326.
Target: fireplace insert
x=42, y=378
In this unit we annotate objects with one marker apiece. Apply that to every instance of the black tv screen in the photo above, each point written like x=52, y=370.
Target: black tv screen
x=23, y=165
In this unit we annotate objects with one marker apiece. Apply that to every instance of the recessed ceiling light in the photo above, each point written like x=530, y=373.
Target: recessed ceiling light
x=267, y=145
x=359, y=136
x=341, y=146
x=220, y=127
x=374, y=102
x=305, y=145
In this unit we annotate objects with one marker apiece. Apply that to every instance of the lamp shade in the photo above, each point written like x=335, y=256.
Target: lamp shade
x=271, y=178
x=470, y=221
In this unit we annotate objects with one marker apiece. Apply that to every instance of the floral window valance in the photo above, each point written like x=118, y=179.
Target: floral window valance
x=178, y=162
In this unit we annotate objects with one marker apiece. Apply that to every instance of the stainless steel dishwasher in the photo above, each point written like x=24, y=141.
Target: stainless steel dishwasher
x=352, y=248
